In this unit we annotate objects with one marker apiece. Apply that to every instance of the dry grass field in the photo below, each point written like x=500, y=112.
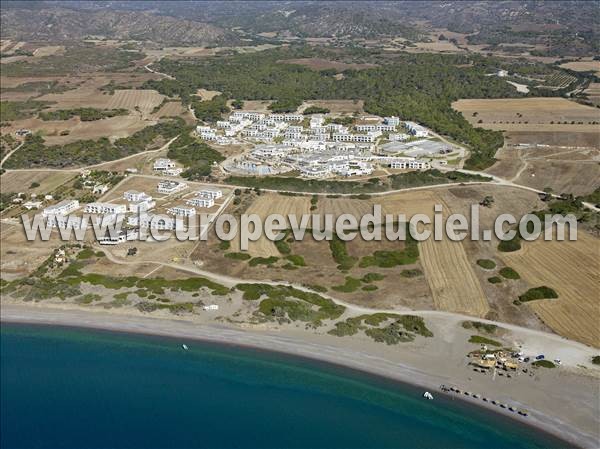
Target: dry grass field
x=565, y=169
x=21, y=180
x=583, y=65
x=143, y=100
x=207, y=95
x=453, y=284
x=18, y=256
x=529, y=114
x=593, y=92
x=572, y=269
x=265, y=205
x=451, y=278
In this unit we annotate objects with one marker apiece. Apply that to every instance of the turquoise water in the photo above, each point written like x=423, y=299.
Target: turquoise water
x=72, y=388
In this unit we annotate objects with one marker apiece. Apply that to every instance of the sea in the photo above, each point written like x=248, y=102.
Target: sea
x=78, y=388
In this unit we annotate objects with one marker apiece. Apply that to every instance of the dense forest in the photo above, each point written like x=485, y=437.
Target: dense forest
x=418, y=87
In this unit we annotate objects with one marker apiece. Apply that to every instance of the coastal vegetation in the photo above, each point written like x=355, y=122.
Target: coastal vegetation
x=282, y=303
x=544, y=364
x=478, y=339
x=395, y=329
x=481, y=327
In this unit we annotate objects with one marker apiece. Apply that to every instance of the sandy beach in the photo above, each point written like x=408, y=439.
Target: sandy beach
x=563, y=401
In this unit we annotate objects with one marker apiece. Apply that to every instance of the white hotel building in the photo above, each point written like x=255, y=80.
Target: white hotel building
x=201, y=201
x=105, y=208
x=63, y=208
x=181, y=211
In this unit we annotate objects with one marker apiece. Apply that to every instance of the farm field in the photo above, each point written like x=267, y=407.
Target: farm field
x=19, y=181
x=265, y=205
x=593, y=92
x=529, y=114
x=571, y=269
x=583, y=65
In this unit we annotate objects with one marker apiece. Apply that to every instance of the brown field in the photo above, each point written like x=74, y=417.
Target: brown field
x=572, y=269
x=593, y=92
x=255, y=105
x=451, y=278
x=143, y=99
x=323, y=64
x=584, y=65
x=207, y=95
x=565, y=169
x=18, y=256
x=502, y=114
x=113, y=128
x=48, y=50
x=20, y=181
x=172, y=109
x=453, y=284
x=265, y=205
x=336, y=106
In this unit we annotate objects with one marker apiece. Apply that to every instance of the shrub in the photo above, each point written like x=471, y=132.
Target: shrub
x=596, y=360
x=486, y=264
x=542, y=292
x=544, y=364
x=411, y=273
x=509, y=273
x=296, y=260
x=495, y=280
x=509, y=246
x=369, y=288
x=262, y=261
x=477, y=339
x=340, y=254
x=350, y=286
x=238, y=256
x=372, y=277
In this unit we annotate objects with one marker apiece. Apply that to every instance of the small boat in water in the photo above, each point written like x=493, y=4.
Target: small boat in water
x=185, y=347
x=428, y=395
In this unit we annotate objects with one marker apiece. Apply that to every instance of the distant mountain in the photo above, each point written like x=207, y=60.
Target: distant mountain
x=39, y=22
x=557, y=27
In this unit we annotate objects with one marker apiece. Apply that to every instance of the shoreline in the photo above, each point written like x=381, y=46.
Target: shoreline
x=339, y=356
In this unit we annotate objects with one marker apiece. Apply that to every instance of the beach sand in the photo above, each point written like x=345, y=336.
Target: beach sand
x=563, y=401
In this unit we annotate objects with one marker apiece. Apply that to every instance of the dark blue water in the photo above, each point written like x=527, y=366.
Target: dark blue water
x=79, y=388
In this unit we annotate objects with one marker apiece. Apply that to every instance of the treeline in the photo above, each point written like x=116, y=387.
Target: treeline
x=34, y=152
x=197, y=156
x=419, y=87
x=210, y=110
x=373, y=185
x=85, y=114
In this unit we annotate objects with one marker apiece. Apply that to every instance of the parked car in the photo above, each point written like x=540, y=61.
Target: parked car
x=540, y=357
